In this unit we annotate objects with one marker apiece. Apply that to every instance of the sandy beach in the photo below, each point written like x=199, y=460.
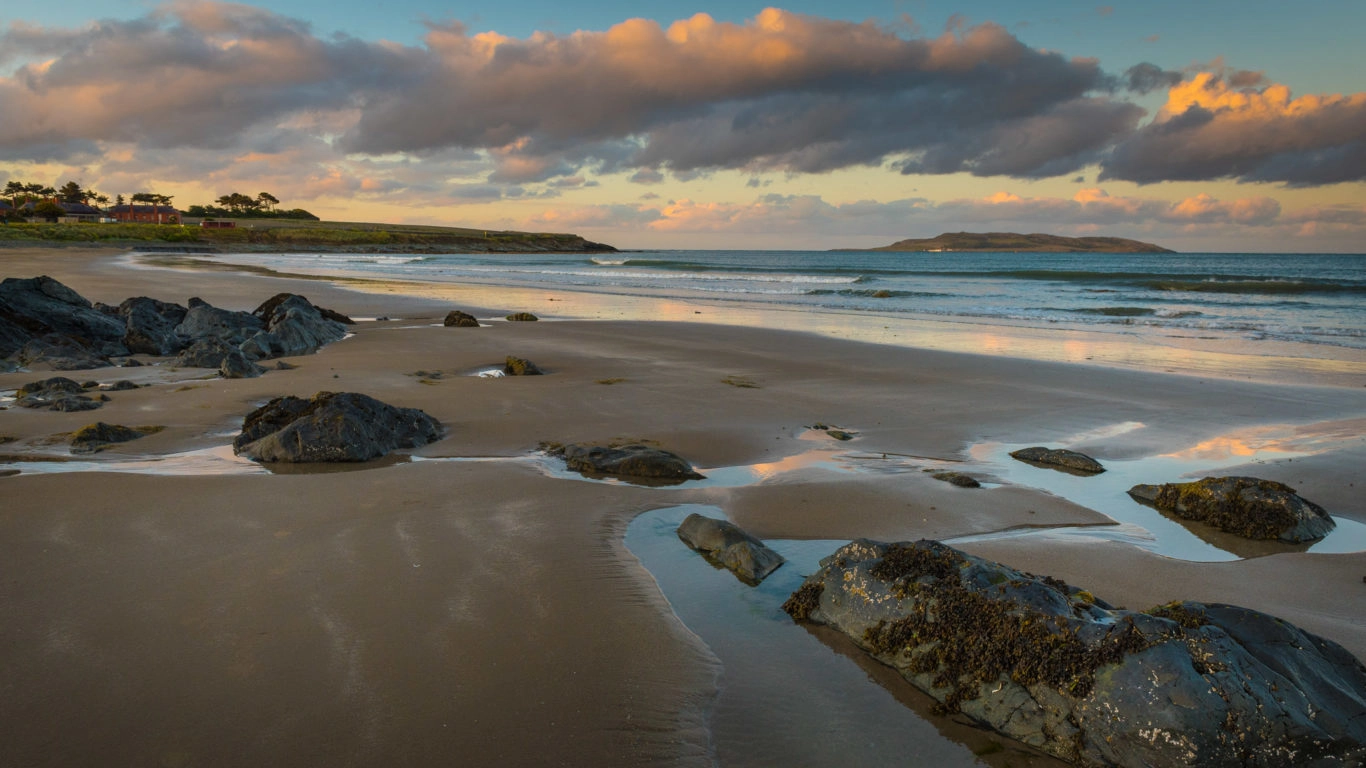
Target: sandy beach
x=473, y=607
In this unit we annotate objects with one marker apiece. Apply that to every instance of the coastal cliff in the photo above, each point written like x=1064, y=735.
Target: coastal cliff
x=1015, y=242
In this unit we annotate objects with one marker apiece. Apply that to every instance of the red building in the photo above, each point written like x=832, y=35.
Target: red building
x=145, y=214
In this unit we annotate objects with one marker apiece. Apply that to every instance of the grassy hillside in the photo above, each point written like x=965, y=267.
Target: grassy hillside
x=1014, y=242
x=275, y=234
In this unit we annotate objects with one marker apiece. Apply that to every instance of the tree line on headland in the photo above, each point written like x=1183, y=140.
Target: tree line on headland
x=34, y=200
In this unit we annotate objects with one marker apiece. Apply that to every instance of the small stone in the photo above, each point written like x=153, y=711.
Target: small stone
x=522, y=317
x=457, y=319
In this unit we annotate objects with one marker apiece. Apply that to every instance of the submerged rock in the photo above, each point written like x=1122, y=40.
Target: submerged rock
x=458, y=319
x=343, y=426
x=1059, y=457
x=626, y=461
x=1244, y=506
x=728, y=546
x=840, y=434
x=516, y=366
x=1054, y=667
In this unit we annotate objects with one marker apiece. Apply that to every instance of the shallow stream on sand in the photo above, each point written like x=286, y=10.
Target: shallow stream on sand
x=786, y=697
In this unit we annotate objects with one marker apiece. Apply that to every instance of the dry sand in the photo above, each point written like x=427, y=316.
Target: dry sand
x=460, y=612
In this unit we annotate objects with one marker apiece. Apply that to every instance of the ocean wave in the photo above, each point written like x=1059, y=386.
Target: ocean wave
x=673, y=277
x=873, y=293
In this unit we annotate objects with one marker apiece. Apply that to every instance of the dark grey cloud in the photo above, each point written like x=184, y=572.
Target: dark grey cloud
x=1146, y=78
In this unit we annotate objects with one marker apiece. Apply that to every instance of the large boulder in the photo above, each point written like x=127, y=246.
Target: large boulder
x=1056, y=668
x=727, y=545
x=203, y=320
x=208, y=352
x=293, y=326
x=42, y=307
x=1244, y=506
x=340, y=426
x=1060, y=458
x=151, y=326
x=236, y=365
x=634, y=462
x=61, y=353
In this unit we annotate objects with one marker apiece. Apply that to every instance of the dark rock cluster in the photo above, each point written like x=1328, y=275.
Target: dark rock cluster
x=44, y=321
x=1056, y=668
x=633, y=462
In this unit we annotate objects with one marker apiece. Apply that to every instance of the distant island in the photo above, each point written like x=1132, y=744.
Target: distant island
x=1012, y=241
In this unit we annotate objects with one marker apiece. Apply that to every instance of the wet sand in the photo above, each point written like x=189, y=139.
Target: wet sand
x=439, y=612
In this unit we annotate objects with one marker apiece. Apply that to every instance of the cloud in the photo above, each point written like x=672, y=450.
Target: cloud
x=214, y=91
x=1235, y=126
x=1146, y=77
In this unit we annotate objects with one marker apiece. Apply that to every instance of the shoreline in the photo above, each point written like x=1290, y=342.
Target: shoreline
x=484, y=609
x=1223, y=357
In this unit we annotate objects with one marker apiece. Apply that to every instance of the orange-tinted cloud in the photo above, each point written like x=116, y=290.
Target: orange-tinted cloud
x=1237, y=126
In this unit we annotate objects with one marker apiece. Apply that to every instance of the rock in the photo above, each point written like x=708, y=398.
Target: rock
x=56, y=394
x=62, y=353
x=53, y=387
x=151, y=326
x=726, y=545
x=458, y=319
x=1054, y=667
x=627, y=461
x=516, y=366
x=1244, y=506
x=203, y=321
x=235, y=365
x=1059, y=457
x=131, y=362
x=331, y=427
x=523, y=317
x=32, y=308
x=268, y=308
x=283, y=366
x=293, y=326
x=840, y=434
x=122, y=385
x=957, y=478
x=93, y=437
x=207, y=352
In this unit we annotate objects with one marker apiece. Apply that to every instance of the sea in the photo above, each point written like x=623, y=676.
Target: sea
x=1308, y=298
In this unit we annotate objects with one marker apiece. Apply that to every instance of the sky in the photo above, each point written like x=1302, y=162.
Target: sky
x=1201, y=126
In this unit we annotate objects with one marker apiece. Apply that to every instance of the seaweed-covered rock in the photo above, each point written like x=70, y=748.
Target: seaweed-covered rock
x=55, y=394
x=957, y=478
x=728, y=546
x=1059, y=457
x=1244, y=506
x=1056, y=668
x=840, y=434
x=457, y=319
x=332, y=427
x=522, y=317
x=93, y=437
x=151, y=326
x=517, y=366
x=634, y=461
